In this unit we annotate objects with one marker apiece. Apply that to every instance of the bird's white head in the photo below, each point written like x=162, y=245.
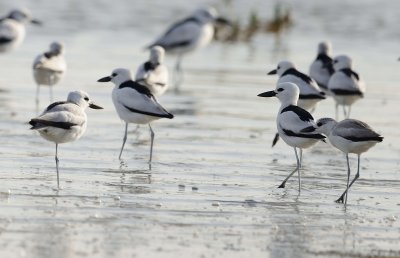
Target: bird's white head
x=324, y=47
x=287, y=93
x=57, y=47
x=118, y=76
x=157, y=54
x=282, y=67
x=22, y=15
x=82, y=99
x=342, y=62
x=205, y=15
x=323, y=125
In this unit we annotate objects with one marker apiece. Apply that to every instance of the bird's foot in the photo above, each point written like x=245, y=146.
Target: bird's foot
x=340, y=200
x=282, y=185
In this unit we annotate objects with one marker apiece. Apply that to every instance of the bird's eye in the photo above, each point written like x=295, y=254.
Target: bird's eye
x=335, y=61
x=279, y=67
x=319, y=124
x=114, y=74
x=86, y=98
x=280, y=89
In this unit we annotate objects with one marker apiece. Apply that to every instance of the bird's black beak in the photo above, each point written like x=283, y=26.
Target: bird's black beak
x=273, y=72
x=223, y=21
x=94, y=106
x=308, y=129
x=36, y=22
x=267, y=94
x=105, y=79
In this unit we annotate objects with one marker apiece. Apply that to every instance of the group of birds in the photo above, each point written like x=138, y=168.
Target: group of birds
x=136, y=100
x=299, y=95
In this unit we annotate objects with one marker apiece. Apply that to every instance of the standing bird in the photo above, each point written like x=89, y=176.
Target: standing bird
x=49, y=68
x=310, y=93
x=12, y=29
x=134, y=103
x=154, y=74
x=188, y=35
x=349, y=136
x=64, y=121
x=321, y=69
x=345, y=85
x=291, y=120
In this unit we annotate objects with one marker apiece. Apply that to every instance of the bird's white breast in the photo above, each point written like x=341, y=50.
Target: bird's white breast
x=11, y=29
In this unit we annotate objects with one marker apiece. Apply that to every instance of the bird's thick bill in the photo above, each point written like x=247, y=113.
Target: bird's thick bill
x=308, y=129
x=272, y=72
x=223, y=21
x=94, y=106
x=267, y=94
x=36, y=22
x=105, y=79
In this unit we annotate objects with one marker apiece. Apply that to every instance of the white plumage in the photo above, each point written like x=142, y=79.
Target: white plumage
x=64, y=121
x=134, y=103
x=349, y=136
x=345, y=85
x=188, y=35
x=290, y=120
x=191, y=33
x=321, y=69
x=310, y=93
x=154, y=74
x=49, y=68
x=12, y=29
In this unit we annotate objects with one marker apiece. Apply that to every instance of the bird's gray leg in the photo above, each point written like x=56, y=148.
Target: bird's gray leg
x=301, y=157
x=348, y=179
x=336, y=111
x=348, y=113
x=282, y=185
x=151, y=145
x=124, y=140
x=344, y=111
x=178, y=74
x=37, y=97
x=298, y=167
x=51, y=93
x=341, y=198
x=58, y=177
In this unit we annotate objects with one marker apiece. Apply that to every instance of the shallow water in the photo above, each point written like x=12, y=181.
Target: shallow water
x=212, y=190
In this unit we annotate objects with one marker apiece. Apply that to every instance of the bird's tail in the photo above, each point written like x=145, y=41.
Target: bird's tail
x=38, y=124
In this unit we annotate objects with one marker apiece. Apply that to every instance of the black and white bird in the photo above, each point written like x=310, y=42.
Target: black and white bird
x=134, y=103
x=310, y=93
x=49, y=68
x=345, y=85
x=12, y=29
x=64, y=121
x=154, y=74
x=188, y=35
x=291, y=119
x=349, y=136
x=321, y=69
